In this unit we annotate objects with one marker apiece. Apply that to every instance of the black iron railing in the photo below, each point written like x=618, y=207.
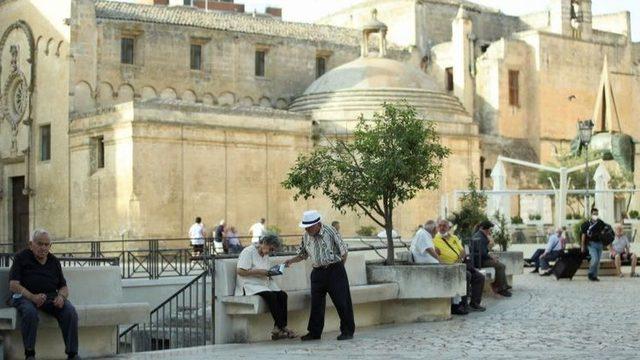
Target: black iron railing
x=183, y=320
x=142, y=258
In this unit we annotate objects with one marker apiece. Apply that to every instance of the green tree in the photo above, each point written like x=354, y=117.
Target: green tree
x=387, y=161
x=472, y=211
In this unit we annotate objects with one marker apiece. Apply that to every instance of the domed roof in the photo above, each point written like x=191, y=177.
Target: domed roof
x=360, y=87
x=372, y=73
x=363, y=85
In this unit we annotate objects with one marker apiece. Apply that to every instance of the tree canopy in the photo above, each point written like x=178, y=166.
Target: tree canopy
x=386, y=162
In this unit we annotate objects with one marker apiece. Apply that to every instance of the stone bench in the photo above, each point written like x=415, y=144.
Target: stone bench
x=247, y=319
x=513, y=261
x=96, y=293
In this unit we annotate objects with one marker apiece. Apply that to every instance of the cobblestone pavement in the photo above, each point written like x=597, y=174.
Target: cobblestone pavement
x=545, y=319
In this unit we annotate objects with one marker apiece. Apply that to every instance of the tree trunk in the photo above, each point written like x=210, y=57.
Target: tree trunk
x=390, y=246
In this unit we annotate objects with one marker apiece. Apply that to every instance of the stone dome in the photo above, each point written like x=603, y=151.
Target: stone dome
x=372, y=73
x=361, y=86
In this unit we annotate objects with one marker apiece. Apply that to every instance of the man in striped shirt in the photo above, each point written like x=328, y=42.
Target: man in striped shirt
x=323, y=245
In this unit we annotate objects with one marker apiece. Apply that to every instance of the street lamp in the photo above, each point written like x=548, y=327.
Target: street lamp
x=585, y=130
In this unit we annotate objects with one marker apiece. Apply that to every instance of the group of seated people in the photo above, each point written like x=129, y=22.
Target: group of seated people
x=620, y=251
x=434, y=243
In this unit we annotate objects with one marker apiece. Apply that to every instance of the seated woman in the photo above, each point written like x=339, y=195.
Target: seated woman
x=253, y=279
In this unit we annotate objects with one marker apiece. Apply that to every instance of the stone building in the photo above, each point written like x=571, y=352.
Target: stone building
x=133, y=118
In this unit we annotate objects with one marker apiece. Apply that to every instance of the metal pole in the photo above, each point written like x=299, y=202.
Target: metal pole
x=587, y=210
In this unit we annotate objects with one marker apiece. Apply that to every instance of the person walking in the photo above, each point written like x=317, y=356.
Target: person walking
x=590, y=236
x=257, y=230
x=197, y=236
x=323, y=245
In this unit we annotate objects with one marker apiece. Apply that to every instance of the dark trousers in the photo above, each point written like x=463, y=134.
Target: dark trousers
x=67, y=320
x=333, y=280
x=535, y=259
x=475, y=285
x=543, y=262
x=500, y=282
x=277, y=302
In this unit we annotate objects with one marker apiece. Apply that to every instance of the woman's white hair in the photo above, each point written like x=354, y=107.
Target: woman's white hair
x=38, y=233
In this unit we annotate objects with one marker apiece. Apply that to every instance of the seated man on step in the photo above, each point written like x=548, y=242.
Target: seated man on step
x=621, y=250
x=37, y=283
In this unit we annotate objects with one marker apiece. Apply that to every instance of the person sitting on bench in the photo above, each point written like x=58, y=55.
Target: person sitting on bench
x=482, y=242
x=551, y=252
x=620, y=251
x=37, y=283
x=253, y=279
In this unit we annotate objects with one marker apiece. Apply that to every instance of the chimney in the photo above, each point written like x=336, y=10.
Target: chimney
x=274, y=11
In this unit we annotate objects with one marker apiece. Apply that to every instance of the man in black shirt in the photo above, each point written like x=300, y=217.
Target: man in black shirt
x=591, y=231
x=36, y=282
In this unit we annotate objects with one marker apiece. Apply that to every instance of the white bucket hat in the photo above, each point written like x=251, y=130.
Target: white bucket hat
x=310, y=218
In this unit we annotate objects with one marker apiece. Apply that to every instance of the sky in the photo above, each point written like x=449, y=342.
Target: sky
x=310, y=10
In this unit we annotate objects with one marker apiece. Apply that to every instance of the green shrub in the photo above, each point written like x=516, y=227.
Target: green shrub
x=366, y=230
x=274, y=229
x=516, y=220
x=634, y=214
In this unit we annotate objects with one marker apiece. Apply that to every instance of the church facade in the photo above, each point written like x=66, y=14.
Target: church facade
x=130, y=119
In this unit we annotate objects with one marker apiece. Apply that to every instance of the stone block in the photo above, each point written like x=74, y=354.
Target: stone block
x=422, y=281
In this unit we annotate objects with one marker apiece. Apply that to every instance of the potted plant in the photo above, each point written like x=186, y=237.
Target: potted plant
x=500, y=232
x=633, y=217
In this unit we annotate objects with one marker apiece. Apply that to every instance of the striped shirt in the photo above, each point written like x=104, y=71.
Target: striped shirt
x=324, y=248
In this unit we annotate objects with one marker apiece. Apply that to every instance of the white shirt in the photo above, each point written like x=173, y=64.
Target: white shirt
x=256, y=231
x=196, y=234
x=419, y=245
x=250, y=258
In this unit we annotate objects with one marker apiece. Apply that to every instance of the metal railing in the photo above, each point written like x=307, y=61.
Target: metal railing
x=183, y=320
x=143, y=258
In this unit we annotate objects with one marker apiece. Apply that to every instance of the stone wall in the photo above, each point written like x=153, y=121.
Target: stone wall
x=617, y=23
x=45, y=20
x=168, y=162
x=162, y=64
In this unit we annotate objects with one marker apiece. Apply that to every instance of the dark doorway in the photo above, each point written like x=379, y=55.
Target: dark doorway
x=20, y=214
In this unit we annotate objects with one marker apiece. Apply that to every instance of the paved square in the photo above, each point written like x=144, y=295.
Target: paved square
x=545, y=319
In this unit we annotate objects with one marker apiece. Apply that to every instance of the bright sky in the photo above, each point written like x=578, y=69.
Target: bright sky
x=309, y=10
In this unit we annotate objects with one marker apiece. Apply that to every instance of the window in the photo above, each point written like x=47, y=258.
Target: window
x=126, y=50
x=487, y=173
x=187, y=3
x=45, y=142
x=100, y=152
x=260, y=58
x=96, y=156
x=514, y=88
x=448, y=78
x=196, y=57
x=321, y=66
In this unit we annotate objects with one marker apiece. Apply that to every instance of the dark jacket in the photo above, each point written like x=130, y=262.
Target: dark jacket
x=592, y=232
x=480, y=246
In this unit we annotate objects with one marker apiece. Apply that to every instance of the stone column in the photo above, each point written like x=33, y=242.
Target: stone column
x=462, y=28
x=604, y=201
x=500, y=203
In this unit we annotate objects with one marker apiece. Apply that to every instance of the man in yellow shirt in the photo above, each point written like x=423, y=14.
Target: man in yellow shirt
x=451, y=251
